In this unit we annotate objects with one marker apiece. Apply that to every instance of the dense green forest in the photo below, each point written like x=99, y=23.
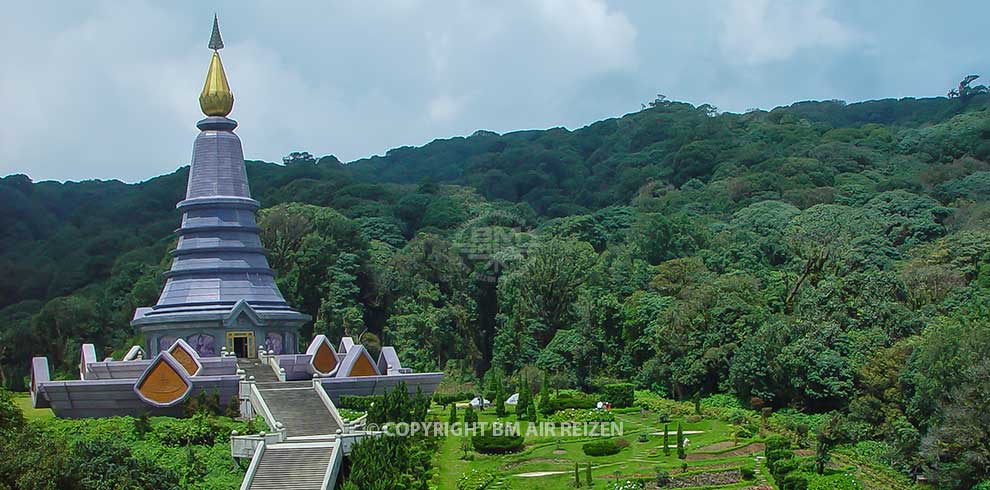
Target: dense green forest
x=822, y=256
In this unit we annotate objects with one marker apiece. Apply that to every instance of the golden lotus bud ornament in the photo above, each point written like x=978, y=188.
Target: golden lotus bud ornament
x=216, y=98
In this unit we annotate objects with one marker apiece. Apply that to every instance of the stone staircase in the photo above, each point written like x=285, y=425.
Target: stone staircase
x=299, y=408
x=308, y=455
x=262, y=373
x=293, y=466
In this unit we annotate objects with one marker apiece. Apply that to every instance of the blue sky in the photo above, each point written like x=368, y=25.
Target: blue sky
x=109, y=89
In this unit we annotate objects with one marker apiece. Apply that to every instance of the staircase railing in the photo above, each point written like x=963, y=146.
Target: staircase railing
x=330, y=477
x=244, y=446
x=327, y=402
x=261, y=408
x=268, y=358
x=253, y=467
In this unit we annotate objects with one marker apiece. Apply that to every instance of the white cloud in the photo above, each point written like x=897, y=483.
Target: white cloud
x=109, y=90
x=765, y=31
x=604, y=35
x=445, y=107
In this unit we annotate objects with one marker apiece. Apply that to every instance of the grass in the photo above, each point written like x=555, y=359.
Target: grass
x=23, y=402
x=639, y=460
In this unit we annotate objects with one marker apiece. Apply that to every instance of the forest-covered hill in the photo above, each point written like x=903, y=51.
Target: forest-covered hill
x=822, y=256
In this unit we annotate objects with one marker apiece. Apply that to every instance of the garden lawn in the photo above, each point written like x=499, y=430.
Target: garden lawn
x=23, y=401
x=639, y=460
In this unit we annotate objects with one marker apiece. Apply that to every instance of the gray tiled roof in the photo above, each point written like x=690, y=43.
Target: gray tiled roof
x=219, y=259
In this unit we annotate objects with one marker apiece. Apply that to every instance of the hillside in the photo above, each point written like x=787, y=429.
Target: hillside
x=820, y=256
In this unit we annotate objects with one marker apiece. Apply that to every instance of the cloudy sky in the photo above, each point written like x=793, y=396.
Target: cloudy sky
x=108, y=89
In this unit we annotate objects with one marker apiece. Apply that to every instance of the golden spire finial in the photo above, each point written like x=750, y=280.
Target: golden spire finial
x=216, y=98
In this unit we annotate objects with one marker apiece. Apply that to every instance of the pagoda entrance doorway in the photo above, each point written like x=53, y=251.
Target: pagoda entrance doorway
x=241, y=344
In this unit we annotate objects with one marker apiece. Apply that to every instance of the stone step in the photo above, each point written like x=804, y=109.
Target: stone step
x=285, y=467
x=300, y=410
x=262, y=373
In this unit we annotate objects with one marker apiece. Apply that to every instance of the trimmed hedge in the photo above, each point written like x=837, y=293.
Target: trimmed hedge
x=567, y=400
x=620, y=395
x=603, y=447
x=574, y=415
x=488, y=443
x=359, y=403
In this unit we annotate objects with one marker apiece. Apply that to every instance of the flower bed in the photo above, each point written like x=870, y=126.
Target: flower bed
x=581, y=415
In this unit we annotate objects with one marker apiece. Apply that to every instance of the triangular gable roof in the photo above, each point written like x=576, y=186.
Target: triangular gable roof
x=186, y=356
x=387, y=358
x=164, y=383
x=345, y=345
x=323, y=358
x=355, y=358
x=242, y=307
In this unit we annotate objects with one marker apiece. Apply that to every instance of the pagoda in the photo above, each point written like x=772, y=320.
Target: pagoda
x=220, y=291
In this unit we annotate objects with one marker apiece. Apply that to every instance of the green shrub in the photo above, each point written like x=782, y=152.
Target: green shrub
x=736, y=416
x=348, y=414
x=620, y=395
x=569, y=399
x=784, y=466
x=747, y=473
x=794, y=481
x=392, y=462
x=656, y=403
x=601, y=447
x=200, y=429
x=476, y=479
x=360, y=403
x=774, y=443
x=720, y=401
x=444, y=399
x=486, y=442
x=575, y=415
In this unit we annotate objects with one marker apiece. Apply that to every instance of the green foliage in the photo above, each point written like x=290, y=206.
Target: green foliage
x=142, y=425
x=470, y=417
x=200, y=429
x=348, y=414
x=666, y=440
x=396, y=405
x=620, y=395
x=452, y=418
x=112, y=453
x=385, y=463
x=821, y=256
x=500, y=440
x=601, y=447
x=362, y=403
x=476, y=479
x=444, y=399
x=580, y=415
x=566, y=400
x=794, y=481
x=524, y=400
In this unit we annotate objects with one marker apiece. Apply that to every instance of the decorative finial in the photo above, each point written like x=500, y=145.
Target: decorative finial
x=216, y=99
x=216, y=42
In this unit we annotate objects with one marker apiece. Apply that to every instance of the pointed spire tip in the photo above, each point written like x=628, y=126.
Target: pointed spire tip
x=216, y=42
